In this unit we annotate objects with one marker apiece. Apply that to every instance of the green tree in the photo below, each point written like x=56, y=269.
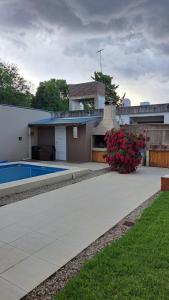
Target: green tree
x=110, y=88
x=14, y=89
x=52, y=95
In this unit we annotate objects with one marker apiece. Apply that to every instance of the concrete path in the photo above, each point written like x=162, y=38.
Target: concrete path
x=40, y=234
x=92, y=166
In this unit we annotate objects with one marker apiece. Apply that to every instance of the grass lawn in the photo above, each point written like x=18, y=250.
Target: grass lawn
x=135, y=267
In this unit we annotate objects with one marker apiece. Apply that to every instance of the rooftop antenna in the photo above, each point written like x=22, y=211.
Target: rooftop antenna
x=100, y=55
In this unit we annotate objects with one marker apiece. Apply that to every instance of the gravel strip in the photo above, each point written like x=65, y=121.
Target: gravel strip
x=46, y=188
x=51, y=286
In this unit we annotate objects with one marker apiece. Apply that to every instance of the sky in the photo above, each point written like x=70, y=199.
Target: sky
x=59, y=39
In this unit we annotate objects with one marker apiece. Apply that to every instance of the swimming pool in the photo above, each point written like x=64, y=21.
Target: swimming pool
x=17, y=177
x=18, y=171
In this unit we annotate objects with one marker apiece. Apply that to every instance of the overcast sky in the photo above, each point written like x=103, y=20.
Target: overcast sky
x=59, y=39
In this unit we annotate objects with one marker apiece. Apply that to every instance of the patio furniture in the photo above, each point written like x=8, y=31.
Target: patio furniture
x=45, y=152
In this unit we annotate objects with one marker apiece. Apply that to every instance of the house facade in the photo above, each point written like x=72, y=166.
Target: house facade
x=144, y=114
x=77, y=135
x=70, y=134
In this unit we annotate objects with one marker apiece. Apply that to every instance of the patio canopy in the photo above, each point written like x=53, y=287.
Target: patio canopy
x=65, y=121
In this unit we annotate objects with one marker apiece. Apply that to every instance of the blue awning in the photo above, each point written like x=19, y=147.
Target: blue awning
x=66, y=121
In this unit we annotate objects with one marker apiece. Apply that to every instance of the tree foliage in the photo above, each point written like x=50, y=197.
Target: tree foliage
x=52, y=95
x=110, y=88
x=14, y=89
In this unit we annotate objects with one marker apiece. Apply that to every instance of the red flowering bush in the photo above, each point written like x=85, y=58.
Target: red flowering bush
x=124, y=149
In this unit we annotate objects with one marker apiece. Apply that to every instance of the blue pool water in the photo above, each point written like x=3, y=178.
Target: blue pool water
x=19, y=171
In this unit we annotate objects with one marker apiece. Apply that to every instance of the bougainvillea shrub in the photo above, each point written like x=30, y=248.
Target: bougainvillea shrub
x=124, y=149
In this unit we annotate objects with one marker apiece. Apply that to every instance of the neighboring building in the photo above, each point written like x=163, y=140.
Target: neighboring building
x=126, y=102
x=144, y=103
x=144, y=114
x=86, y=92
x=14, y=131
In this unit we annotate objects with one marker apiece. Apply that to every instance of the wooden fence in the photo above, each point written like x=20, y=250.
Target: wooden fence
x=159, y=158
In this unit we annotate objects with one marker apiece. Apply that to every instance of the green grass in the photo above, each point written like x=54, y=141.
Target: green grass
x=135, y=267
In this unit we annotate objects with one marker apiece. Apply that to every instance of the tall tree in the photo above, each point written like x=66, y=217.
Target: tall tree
x=110, y=88
x=14, y=89
x=52, y=95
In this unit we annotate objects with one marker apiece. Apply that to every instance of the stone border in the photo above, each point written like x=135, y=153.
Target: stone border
x=52, y=285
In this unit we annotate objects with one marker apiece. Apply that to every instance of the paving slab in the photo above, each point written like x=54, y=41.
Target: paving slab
x=42, y=233
x=92, y=166
x=9, y=291
x=29, y=273
x=10, y=256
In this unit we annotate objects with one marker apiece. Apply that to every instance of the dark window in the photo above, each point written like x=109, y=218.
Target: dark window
x=98, y=141
x=146, y=119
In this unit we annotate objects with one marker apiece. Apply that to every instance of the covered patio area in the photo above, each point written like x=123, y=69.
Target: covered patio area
x=62, y=139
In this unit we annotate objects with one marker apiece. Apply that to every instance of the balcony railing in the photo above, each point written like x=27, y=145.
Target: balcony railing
x=78, y=113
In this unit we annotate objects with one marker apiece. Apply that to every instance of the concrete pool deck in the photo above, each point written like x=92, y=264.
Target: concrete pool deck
x=40, y=234
x=92, y=166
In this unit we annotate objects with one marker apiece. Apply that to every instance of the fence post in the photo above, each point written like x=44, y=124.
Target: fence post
x=147, y=158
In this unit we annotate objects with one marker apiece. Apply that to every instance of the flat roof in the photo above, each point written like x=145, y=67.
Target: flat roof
x=65, y=121
x=24, y=107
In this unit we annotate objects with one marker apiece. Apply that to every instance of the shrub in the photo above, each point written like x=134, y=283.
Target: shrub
x=124, y=149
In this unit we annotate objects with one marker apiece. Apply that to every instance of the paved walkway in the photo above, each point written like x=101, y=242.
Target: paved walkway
x=40, y=234
x=93, y=166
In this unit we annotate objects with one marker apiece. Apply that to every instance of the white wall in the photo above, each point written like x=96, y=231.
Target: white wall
x=14, y=124
x=123, y=119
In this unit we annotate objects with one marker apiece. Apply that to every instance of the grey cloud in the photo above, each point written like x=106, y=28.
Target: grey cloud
x=13, y=14
x=63, y=12
x=150, y=17
x=37, y=13
x=147, y=17
x=134, y=34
